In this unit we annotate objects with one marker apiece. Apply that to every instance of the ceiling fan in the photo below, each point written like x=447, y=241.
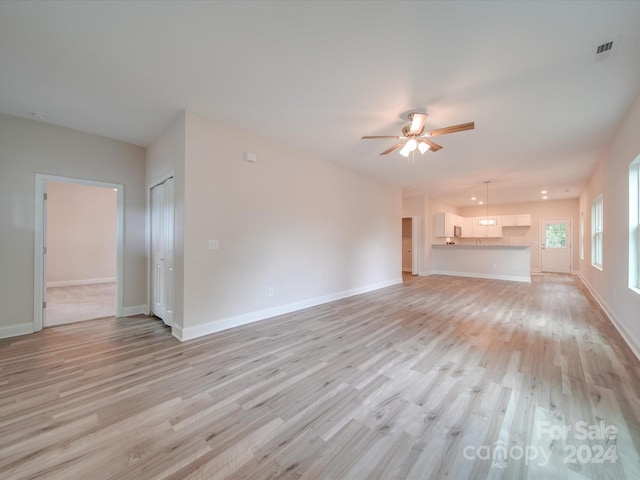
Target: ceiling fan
x=413, y=135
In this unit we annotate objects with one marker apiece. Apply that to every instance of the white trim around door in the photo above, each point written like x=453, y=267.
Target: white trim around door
x=39, y=271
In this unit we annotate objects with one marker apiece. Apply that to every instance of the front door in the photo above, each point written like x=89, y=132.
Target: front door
x=555, y=241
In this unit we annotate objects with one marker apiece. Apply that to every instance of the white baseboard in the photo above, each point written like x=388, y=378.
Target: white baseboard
x=87, y=281
x=189, y=333
x=16, y=330
x=512, y=278
x=626, y=336
x=176, y=331
x=135, y=310
x=407, y=269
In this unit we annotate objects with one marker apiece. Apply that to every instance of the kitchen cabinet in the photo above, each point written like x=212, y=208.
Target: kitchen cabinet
x=518, y=220
x=467, y=227
x=445, y=223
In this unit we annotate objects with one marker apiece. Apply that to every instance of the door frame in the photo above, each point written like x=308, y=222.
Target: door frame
x=415, y=245
x=39, y=268
x=569, y=238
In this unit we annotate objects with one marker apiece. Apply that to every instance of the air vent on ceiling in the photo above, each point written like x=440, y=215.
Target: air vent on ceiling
x=605, y=47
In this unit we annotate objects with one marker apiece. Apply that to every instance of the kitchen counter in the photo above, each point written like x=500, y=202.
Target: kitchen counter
x=500, y=262
x=457, y=245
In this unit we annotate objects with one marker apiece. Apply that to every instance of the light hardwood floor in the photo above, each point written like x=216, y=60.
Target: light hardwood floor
x=440, y=377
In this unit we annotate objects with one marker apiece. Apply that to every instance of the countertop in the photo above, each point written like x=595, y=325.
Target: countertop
x=495, y=246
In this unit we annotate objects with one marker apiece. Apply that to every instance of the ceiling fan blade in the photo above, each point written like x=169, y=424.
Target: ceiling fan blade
x=417, y=122
x=395, y=147
x=367, y=137
x=433, y=145
x=455, y=128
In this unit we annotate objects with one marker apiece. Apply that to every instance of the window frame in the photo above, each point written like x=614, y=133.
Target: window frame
x=597, y=232
x=634, y=225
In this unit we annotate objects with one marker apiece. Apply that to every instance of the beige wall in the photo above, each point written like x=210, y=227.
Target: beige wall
x=28, y=147
x=611, y=179
x=81, y=234
x=306, y=228
x=529, y=236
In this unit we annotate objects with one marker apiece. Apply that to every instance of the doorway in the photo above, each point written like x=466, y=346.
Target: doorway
x=64, y=274
x=81, y=253
x=410, y=245
x=162, y=250
x=555, y=245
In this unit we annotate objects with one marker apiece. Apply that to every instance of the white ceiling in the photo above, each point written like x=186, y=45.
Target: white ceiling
x=319, y=75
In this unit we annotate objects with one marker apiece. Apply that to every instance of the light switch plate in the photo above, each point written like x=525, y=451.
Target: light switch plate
x=214, y=245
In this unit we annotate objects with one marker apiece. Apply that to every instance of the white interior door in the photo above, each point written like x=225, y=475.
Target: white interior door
x=555, y=244
x=162, y=271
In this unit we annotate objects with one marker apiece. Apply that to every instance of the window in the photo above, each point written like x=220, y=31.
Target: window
x=597, y=223
x=581, y=235
x=556, y=235
x=634, y=225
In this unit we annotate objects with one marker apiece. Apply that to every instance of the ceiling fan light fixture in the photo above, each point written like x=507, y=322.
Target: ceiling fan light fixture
x=413, y=135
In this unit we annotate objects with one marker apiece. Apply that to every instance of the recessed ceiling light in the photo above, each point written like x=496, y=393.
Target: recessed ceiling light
x=473, y=199
x=38, y=115
x=543, y=192
x=545, y=197
x=480, y=202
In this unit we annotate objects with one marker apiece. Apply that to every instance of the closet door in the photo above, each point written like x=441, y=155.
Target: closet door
x=162, y=241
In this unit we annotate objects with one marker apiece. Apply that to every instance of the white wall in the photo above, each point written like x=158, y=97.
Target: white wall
x=81, y=234
x=610, y=178
x=28, y=147
x=306, y=228
x=530, y=236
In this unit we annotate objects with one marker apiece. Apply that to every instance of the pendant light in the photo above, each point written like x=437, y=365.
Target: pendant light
x=487, y=222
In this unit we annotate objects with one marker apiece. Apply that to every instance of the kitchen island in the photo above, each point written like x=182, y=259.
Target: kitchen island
x=500, y=262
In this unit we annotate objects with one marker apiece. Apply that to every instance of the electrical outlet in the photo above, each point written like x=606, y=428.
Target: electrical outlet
x=214, y=245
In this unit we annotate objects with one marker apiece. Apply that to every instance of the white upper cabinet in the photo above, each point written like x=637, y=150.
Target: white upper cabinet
x=467, y=227
x=520, y=220
x=445, y=223
x=478, y=227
